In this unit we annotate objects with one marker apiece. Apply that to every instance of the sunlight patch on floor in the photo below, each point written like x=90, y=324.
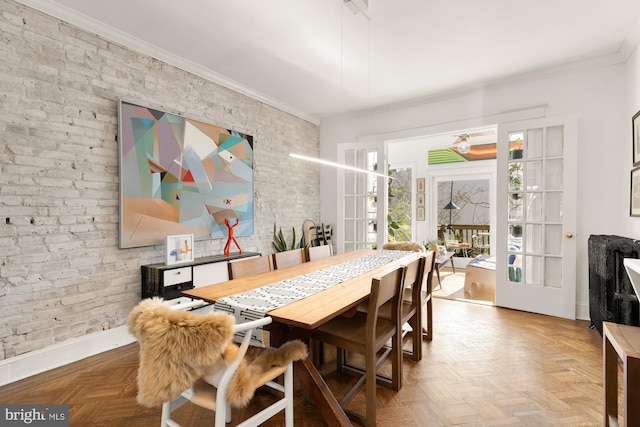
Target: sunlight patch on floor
x=453, y=288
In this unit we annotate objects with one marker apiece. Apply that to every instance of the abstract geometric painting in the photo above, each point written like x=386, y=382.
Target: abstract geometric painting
x=181, y=176
x=452, y=155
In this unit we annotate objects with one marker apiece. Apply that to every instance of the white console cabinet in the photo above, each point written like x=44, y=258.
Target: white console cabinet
x=168, y=281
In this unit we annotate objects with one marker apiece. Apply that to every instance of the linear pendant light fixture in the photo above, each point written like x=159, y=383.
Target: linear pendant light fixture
x=336, y=165
x=356, y=6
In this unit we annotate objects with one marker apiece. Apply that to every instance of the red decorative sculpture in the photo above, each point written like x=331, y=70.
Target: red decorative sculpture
x=227, y=247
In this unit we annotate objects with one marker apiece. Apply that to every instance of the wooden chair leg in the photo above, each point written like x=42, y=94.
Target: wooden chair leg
x=416, y=335
x=341, y=360
x=428, y=328
x=370, y=390
x=316, y=349
x=396, y=363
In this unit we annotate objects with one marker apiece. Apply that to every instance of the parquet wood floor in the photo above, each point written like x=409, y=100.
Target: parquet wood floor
x=486, y=366
x=453, y=288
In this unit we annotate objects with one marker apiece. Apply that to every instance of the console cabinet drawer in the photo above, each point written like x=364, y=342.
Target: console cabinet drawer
x=176, y=276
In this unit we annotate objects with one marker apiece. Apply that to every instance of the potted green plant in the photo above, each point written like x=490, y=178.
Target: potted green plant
x=515, y=153
x=431, y=244
x=280, y=244
x=515, y=230
x=515, y=176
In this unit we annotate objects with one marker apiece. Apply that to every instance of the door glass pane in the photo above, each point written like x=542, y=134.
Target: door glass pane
x=534, y=175
x=553, y=207
x=361, y=207
x=349, y=183
x=514, y=270
x=515, y=176
x=349, y=157
x=361, y=159
x=349, y=230
x=555, y=141
x=516, y=145
x=534, y=238
x=515, y=206
x=361, y=183
x=361, y=230
x=553, y=272
x=553, y=239
x=533, y=270
x=534, y=143
x=372, y=228
x=514, y=263
x=553, y=174
x=534, y=207
x=515, y=238
x=349, y=207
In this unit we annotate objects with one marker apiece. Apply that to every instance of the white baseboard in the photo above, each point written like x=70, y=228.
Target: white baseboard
x=38, y=361
x=582, y=311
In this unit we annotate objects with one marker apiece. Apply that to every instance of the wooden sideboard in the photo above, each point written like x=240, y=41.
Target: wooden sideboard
x=621, y=342
x=168, y=281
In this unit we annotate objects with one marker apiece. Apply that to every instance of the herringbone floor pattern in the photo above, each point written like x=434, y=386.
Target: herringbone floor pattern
x=486, y=366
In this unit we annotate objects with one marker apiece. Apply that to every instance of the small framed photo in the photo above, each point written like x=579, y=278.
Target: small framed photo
x=179, y=249
x=635, y=192
x=420, y=214
x=635, y=131
x=420, y=185
x=420, y=200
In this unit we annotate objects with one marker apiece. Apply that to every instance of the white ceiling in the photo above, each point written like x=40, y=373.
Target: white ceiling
x=314, y=58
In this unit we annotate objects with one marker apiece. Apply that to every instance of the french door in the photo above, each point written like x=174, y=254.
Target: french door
x=362, y=197
x=536, y=212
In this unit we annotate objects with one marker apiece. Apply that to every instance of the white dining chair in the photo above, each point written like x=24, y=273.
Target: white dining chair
x=319, y=252
x=288, y=258
x=249, y=266
x=180, y=348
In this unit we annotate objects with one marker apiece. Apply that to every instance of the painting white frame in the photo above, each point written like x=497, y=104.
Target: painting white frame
x=635, y=192
x=635, y=131
x=179, y=249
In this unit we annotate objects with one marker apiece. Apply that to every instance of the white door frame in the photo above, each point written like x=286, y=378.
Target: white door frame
x=558, y=300
x=381, y=186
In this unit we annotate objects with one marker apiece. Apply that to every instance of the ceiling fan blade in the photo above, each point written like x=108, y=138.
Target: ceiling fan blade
x=488, y=132
x=459, y=140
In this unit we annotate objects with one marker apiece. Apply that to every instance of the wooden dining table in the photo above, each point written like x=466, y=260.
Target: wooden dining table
x=297, y=320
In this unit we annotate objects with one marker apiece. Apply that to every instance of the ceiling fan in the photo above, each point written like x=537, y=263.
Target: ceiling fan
x=463, y=140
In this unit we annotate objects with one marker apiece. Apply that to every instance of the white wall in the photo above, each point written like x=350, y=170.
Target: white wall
x=633, y=106
x=62, y=275
x=596, y=95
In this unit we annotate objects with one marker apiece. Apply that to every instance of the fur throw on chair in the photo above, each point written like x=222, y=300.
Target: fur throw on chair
x=404, y=246
x=178, y=347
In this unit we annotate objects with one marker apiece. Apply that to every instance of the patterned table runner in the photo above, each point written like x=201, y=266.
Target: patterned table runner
x=256, y=303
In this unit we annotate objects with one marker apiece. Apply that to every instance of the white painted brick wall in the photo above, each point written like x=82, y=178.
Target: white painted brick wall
x=62, y=274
